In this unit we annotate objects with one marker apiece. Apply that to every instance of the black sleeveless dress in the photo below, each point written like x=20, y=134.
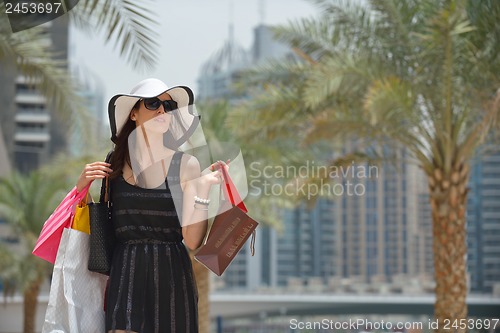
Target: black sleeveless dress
x=151, y=286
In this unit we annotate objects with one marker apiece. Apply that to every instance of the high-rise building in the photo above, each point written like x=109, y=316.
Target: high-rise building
x=88, y=134
x=31, y=130
x=5, y=166
x=367, y=236
x=483, y=220
x=222, y=70
x=424, y=255
x=219, y=73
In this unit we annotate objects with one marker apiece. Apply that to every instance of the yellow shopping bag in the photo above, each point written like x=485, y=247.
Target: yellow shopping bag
x=81, y=221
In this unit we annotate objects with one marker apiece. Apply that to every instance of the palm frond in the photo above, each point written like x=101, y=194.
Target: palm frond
x=27, y=201
x=332, y=31
x=277, y=106
x=30, y=52
x=127, y=24
x=308, y=35
x=483, y=16
x=337, y=79
x=8, y=271
x=273, y=71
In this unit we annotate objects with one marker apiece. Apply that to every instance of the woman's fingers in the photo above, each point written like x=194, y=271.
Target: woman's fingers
x=212, y=177
x=98, y=167
x=92, y=171
x=218, y=163
x=96, y=170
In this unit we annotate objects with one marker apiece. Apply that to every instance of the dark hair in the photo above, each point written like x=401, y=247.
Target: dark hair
x=120, y=154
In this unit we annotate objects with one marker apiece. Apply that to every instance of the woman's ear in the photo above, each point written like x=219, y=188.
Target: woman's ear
x=132, y=116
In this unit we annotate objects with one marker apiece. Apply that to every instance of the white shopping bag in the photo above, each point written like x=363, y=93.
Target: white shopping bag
x=76, y=300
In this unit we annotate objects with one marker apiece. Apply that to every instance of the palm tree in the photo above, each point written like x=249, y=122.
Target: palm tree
x=129, y=25
x=26, y=201
x=422, y=75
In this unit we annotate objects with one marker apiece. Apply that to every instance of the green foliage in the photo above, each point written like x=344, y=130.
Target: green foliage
x=29, y=53
x=26, y=201
x=127, y=24
x=417, y=74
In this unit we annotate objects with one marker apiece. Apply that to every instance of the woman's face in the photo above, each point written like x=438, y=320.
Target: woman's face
x=155, y=120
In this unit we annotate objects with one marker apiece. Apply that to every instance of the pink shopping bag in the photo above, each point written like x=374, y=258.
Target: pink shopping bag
x=48, y=242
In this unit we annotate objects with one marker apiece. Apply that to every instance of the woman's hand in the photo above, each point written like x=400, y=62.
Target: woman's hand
x=91, y=172
x=215, y=177
x=211, y=178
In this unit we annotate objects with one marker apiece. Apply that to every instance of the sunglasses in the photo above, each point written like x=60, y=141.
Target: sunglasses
x=154, y=103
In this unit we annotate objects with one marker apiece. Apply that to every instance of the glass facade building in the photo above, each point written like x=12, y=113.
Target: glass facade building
x=483, y=221
x=31, y=131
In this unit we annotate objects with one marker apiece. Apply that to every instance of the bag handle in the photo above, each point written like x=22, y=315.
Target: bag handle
x=230, y=191
x=105, y=190
x=252, y=243
x=84, y=200
x=80, y=196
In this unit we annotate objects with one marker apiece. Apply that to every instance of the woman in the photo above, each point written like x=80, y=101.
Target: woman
x=151, y=285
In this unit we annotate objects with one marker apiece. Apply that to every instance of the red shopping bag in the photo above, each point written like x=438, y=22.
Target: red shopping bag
x=48, y=242
x=230, y=192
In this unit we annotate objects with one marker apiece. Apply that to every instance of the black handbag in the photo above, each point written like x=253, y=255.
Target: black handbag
x=102, y=234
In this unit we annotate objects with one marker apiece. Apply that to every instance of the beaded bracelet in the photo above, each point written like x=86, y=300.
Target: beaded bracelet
x=195, y=207
x=201, y=201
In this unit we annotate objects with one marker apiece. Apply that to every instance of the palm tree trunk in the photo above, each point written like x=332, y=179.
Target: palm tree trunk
x=203, y=284
x=30, y=304
x=448, y=202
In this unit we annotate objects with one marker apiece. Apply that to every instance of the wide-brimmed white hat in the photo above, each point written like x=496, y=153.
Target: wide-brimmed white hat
x=120, y=105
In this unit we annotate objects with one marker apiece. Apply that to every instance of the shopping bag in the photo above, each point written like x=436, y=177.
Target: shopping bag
x=81, y=220
x=76, y=296
x=102, y=233
x=50, y=236
x=229, y=231
x=230, y=192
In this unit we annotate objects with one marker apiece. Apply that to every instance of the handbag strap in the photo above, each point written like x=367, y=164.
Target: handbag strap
x=105, y=188
x=252, y=243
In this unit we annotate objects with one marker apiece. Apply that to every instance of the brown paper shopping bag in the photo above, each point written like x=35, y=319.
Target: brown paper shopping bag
x=230, y=230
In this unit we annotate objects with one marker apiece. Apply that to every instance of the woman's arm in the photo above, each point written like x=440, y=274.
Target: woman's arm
x=195, y=215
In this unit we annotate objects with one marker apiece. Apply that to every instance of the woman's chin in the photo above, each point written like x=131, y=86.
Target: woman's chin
x=158, y=124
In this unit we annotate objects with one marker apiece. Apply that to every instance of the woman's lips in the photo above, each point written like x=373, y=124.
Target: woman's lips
x=161, y=118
